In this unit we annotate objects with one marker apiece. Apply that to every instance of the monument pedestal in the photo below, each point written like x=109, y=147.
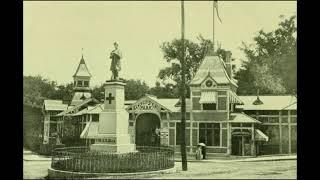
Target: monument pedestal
x=113, y=127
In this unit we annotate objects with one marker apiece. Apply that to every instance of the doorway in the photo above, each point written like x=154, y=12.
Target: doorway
x=146, y=125
x=241, y=145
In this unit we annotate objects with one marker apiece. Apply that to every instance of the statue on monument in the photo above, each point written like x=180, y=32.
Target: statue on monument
x=115, y=57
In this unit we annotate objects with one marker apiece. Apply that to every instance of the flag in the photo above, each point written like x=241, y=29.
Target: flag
x=215, y=5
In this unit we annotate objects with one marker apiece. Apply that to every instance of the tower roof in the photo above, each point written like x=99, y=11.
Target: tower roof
x=82, y=69
x=215, y=67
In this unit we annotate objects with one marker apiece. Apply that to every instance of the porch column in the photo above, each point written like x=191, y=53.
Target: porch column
x=242, y=142
x=82, y=122
x=289, y=133
x=253, y=143
x=134, y=127
x=229, y=150
x=228, y=126
x=280, y=134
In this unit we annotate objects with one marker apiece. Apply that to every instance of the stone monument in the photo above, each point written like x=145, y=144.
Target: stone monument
x=113, y=126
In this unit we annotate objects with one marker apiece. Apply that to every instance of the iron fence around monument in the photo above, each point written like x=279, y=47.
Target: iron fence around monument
x=81, y=159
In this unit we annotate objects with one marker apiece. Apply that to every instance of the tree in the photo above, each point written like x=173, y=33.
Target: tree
x=195, y=53
x=135, y=89
x=98, y=92
x=193, y=58
x=167, y=91
x=271, y=61
x=64, y=92
x=36, y=89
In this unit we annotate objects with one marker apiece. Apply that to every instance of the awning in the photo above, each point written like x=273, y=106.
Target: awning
x=208, y=97
x=234, y=99
x=260, y=136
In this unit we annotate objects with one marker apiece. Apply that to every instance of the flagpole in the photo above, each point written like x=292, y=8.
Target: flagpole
x=213, y=25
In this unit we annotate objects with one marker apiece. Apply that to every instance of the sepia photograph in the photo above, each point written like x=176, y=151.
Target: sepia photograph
x=160, y=89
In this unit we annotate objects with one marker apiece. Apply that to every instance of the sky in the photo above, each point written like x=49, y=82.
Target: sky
x=54, y=33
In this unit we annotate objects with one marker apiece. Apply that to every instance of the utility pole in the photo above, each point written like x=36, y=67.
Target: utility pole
x=183, y=97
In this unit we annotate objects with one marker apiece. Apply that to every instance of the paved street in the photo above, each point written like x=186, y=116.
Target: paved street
x=35, y=169
x=240, y=170
x=284, y=169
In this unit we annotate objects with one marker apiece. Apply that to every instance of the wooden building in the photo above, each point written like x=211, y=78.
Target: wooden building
x=227, y=123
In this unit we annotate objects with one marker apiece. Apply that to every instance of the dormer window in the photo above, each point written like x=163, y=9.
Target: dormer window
x=79, y=83
x=86, y=83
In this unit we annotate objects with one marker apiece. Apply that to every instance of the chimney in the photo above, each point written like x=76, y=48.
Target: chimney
x=228, y=64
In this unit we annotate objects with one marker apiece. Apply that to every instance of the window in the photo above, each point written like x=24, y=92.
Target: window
x=130, y=116
x=268, y=112
x=284, y=119
x=187, y=135
x=209, y=133
x=293, y=119
x=250, y=112
x=211, y=106
x=284, y=112
x=86, y=83
x=172, y=124
x=163, y=115
x=246, y=125
x=273, y=120
x=293, y=112
x=95, y=117
x=79, y=83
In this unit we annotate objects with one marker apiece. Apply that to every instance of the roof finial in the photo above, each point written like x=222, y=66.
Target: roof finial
x=82, y=52
x=257, y=101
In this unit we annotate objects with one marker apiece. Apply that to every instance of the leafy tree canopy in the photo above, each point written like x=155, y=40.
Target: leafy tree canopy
x=194, y=54
x=271, y=61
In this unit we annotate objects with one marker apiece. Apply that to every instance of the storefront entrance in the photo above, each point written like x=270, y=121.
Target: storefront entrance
x=241, y=145
x=146, y=125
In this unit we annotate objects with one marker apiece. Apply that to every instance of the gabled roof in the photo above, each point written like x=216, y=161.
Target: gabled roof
x=152, y=98
x=269, y=102
x=214, y=66
x=82, y=70
x=84, y=111
x=96, y=109
x=54, y=105
x=242, y=118
x=77, y=106
x=76, y=99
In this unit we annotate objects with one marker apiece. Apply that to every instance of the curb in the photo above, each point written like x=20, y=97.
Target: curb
x=58, y=174
x=37, y=159
x=241, y=160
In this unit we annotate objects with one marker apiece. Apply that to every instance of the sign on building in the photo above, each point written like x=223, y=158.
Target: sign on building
x=46, y=130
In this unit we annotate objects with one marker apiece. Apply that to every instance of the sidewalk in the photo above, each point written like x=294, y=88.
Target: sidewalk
x=242, y=159
x=31, y=156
